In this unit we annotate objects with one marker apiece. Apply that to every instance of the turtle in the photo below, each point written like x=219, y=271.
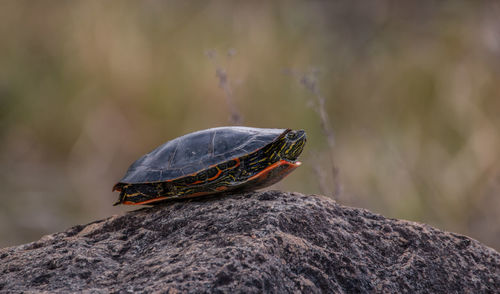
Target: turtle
x=212, y=161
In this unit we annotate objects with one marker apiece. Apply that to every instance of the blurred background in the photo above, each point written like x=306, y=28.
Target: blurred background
x=400, y=101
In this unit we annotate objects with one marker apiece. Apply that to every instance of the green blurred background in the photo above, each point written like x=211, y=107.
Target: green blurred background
x=411, y=91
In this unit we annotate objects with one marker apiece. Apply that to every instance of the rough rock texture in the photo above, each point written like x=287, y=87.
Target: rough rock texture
x=271, y=242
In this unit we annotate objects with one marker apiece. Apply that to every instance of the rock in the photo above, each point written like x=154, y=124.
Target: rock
x=272, y=242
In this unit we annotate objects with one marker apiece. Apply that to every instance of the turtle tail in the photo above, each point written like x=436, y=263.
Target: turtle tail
x=121, y=199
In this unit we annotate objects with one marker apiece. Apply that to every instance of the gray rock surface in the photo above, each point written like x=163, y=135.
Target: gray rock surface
x=271, y=242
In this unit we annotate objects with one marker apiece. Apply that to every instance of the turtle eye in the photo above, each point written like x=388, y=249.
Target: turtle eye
x=292, y=135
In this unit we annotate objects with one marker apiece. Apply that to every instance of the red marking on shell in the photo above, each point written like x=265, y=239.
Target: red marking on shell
x=264, y=174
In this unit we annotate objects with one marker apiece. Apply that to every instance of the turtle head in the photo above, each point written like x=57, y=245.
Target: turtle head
x=294, y=142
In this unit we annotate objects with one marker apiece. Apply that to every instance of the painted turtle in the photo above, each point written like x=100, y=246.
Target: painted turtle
x=212, y=161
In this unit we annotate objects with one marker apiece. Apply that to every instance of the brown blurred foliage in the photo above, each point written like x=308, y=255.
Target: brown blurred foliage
x=411, y=91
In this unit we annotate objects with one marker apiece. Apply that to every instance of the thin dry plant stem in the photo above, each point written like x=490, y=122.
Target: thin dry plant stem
x=310, y=82
x=235, y=116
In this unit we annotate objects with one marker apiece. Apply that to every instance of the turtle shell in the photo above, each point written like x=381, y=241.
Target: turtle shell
x=197, y=151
